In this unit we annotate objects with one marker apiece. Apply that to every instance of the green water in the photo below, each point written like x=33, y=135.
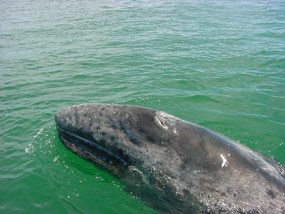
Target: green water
x=220, y=64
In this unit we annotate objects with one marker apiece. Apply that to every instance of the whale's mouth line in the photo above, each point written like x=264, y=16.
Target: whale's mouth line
x=90, y=150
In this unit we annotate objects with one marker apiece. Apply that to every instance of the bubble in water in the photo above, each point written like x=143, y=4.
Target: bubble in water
x=56, y=158
x=29, y=149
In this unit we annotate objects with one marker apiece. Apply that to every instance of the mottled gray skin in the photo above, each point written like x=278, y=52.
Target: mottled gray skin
x=174, y=165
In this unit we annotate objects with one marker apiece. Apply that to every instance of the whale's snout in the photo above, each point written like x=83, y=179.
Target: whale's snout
x=83, y=130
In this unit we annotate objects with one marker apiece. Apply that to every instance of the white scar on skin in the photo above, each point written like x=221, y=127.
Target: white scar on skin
x=225, y=162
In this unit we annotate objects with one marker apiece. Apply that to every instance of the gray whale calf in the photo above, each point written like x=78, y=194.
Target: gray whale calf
x=174, y=165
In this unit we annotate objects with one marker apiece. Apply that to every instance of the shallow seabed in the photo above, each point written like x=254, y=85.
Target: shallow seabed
x=216, y=63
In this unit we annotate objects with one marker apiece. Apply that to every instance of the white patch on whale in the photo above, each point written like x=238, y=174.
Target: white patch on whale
x=225, y=162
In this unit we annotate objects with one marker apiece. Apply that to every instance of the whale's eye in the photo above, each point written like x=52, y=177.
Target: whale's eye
x=160, y=122
x=163, y=119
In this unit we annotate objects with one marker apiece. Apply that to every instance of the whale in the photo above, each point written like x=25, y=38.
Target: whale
x=173, y=165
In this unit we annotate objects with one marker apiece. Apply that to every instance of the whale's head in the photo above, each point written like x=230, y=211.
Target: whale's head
x=131, y=142
x=141, y=146
x=116, y=136
x=165, y=159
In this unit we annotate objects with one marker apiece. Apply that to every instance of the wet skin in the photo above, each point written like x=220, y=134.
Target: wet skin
x=173, y=165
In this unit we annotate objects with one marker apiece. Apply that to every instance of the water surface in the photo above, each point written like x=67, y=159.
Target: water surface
x=220, y=64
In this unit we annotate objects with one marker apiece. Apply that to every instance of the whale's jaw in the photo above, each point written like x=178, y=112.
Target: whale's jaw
x=92, y=151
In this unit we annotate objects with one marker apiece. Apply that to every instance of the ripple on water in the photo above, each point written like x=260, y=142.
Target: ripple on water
x=217, y=63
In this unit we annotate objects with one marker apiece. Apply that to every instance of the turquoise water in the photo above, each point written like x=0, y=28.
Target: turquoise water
x=220, y=64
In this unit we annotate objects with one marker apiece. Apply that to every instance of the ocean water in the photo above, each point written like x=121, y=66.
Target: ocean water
x=217, y=63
